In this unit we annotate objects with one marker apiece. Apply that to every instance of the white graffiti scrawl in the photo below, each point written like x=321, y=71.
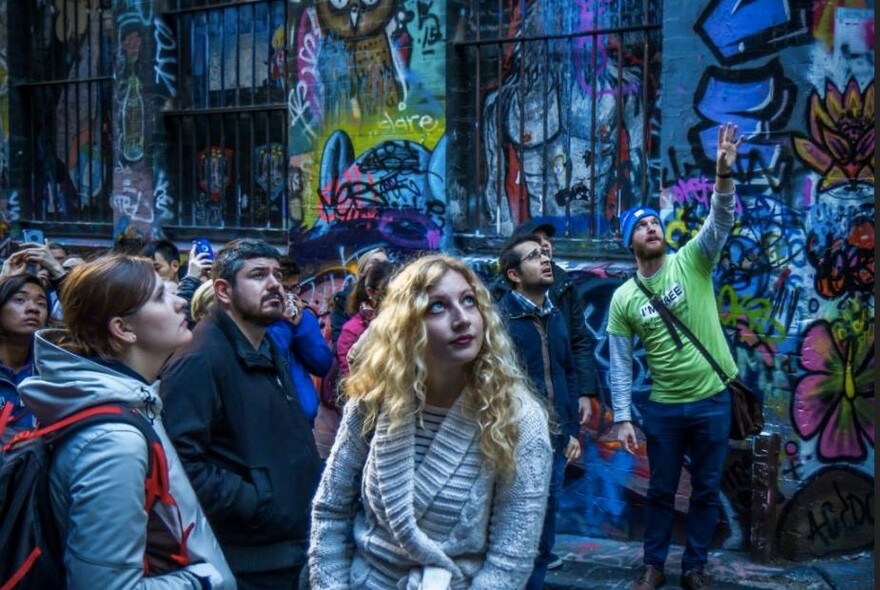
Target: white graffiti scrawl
x=166, y=57
x=131, y=202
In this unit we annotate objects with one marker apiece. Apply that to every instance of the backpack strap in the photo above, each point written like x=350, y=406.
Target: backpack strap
x=5, y=415
x=74, y=422
x=157, y=486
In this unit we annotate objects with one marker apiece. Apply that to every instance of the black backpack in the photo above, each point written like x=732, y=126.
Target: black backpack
x=29, y=535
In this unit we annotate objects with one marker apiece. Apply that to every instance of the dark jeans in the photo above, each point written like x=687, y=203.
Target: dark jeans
x=548, y=532
x=700, y=431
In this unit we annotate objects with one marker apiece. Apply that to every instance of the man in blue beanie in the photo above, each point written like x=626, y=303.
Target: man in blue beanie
x=631, y=217
x=688, y=412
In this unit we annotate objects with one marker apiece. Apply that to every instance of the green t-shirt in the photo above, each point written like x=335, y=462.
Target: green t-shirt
x=684, y=283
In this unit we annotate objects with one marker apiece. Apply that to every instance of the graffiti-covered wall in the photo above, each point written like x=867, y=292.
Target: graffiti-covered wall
x=9, y=212
x=570, y=130
x=145, y=67
x=367, y=109
x=566, y=118
x=796, y=280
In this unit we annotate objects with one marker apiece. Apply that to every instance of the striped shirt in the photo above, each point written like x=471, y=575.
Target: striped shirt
x=432, y=418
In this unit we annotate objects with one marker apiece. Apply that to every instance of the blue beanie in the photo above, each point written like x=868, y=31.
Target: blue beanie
x=630, y=218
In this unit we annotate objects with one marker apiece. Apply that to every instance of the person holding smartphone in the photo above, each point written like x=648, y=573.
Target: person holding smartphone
x=302, y=345
x=37, y=259
x=198, y=268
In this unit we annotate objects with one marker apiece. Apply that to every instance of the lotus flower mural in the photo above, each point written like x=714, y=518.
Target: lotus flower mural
x=841, y=142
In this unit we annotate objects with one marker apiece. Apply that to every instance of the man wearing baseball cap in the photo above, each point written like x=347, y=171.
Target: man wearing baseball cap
x=564, y=297
x=688, y=411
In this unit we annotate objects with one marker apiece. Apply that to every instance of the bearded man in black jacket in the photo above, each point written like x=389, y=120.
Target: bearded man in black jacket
x=235, y=419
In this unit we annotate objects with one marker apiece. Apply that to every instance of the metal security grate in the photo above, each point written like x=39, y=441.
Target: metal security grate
x=228, y=131
x=61, y=111
x=563, y=94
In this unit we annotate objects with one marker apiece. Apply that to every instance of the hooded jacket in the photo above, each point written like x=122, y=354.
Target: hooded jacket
x=22, y=418
x=97, y=479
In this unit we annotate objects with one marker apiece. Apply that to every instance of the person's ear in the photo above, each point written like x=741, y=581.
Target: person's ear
x=175, y=265
x=121, y=332
x=222, y=291
x=513, y=276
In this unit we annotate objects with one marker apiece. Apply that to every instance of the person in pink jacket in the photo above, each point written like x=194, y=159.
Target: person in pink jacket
x=362, y=305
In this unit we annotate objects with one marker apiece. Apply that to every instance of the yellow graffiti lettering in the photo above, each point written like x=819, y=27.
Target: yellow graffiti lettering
x=756, y=311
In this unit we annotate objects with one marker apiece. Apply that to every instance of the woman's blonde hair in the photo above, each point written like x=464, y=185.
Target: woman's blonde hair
x=202, y=300
x=388, y=363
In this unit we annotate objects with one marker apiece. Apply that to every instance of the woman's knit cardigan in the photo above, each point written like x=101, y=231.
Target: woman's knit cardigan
x=450, y=512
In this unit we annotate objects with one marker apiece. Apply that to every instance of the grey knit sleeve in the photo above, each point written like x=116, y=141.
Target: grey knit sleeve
x=518, y=507
x=717, y=225
x=331, y=546
x=620, y=376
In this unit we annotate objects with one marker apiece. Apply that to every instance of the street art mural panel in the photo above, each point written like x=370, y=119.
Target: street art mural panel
x=141, y=196
x=67, y=163
x=9, y=209
x=366, y=109
x=566, y=132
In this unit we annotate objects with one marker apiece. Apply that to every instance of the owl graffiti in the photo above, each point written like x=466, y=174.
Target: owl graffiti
x=355, y=34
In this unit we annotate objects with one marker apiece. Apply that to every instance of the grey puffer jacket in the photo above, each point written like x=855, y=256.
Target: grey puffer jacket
x=97, y=480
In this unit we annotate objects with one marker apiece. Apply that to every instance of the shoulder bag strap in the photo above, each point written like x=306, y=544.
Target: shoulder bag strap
x=662, y=311
x=670, y=319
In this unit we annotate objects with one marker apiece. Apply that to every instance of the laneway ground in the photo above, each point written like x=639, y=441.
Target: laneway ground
x=606, y=564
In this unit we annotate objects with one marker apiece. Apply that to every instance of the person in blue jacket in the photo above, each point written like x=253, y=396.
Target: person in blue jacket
x=24, y=309
x=304, y=350
x=543, y=345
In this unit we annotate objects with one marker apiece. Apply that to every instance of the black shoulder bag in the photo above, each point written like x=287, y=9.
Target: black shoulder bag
x=746, y=415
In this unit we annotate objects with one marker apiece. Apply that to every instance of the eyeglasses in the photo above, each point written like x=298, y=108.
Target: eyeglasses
x=533, y=255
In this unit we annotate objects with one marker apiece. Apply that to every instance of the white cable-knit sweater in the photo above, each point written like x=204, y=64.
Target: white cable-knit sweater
x=377, y=520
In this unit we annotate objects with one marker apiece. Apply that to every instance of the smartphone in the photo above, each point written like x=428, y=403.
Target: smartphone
x=290, y=300
x=33, y=235
x=203, y=245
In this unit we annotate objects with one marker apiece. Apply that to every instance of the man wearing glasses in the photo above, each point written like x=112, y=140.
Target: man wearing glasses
x=565, y=297
x=543, y=344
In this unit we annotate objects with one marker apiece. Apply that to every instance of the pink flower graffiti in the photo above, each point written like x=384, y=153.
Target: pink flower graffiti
x=835, y=399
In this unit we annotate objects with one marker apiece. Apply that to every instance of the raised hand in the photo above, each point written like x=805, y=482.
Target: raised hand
x=40, y=255
x=198, y=264
x=16, y=264
x=728, y=145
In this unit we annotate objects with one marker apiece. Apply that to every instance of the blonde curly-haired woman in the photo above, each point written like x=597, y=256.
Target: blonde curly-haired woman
x=439, y=474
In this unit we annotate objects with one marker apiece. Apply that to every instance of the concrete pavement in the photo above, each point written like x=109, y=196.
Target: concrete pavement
x=609, y=564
